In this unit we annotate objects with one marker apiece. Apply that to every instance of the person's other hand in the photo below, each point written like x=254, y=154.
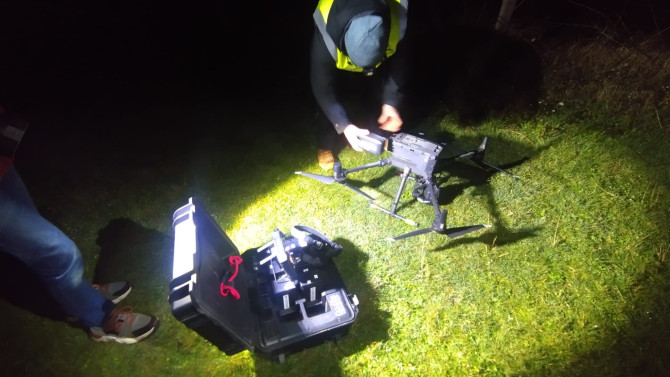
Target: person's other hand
x=389, y=120
x=352, y=133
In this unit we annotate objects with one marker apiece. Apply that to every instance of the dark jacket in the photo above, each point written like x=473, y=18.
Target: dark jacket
x=324, y=73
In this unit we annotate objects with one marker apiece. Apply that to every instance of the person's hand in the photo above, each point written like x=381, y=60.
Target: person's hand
x=352, y=133
x=389, y=120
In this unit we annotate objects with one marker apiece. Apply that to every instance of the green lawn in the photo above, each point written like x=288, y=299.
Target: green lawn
x=571, y=280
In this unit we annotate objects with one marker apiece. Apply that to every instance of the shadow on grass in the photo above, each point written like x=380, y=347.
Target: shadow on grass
x=448, y=166
x=473, y=176
x=469, y=175
x=372, y=324
x=23, y=289
x=131, y=252
x=500, y=234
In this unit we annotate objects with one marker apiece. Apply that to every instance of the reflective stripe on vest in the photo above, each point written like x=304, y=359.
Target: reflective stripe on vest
x=342, y=61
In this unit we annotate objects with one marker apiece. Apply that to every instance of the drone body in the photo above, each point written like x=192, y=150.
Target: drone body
x=416, y=158
x=409, y=151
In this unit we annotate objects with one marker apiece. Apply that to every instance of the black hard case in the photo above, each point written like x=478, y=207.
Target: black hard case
x=268, y=318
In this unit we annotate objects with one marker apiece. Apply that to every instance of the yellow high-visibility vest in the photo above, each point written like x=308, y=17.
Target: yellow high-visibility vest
x=398, y=12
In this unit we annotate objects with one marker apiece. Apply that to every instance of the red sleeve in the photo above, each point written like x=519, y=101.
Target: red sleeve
x=5, y=164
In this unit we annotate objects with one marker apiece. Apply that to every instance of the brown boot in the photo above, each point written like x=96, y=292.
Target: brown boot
x=326, y=159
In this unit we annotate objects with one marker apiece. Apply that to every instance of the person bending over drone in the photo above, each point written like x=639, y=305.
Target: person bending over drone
x=357, y=62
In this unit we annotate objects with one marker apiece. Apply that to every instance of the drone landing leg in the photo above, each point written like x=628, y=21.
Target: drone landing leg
x=405, y=176
x=408, y=221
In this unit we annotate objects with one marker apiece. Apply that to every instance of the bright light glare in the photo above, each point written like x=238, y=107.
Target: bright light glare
x=184, y=248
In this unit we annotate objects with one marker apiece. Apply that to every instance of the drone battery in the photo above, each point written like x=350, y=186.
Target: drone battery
x=414, y=152
x=372, y=143
x=248, y=301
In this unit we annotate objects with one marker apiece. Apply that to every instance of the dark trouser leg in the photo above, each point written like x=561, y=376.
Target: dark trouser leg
x=48, y=252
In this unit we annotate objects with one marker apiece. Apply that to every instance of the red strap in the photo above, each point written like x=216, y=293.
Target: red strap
x=235, y=261
x=225, y=289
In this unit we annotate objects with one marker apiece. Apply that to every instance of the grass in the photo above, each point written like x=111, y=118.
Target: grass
x=572, y=279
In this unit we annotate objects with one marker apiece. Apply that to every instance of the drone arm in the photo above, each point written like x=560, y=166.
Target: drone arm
x=375, y=164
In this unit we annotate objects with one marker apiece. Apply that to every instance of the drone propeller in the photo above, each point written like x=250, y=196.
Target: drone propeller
x=439, y=227
x=412, y=234
x=339, y=176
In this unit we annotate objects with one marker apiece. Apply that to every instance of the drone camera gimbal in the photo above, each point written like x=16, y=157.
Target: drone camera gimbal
x=416, y=158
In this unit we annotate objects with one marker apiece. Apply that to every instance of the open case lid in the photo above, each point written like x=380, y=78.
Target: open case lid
x=201, y=263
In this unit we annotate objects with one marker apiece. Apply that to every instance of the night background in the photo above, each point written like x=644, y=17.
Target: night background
x=134, y=102
x=83, y=58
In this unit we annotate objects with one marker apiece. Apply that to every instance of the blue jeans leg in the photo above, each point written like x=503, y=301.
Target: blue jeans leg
x=48, y=252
